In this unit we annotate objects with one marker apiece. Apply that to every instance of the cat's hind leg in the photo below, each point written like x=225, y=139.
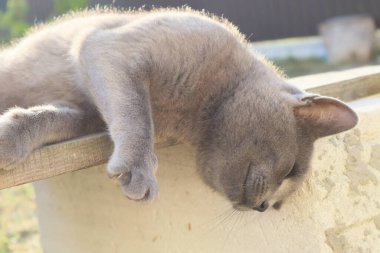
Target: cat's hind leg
x=23, y=130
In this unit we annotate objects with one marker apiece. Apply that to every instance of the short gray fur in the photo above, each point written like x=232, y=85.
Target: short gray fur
x=171, y=73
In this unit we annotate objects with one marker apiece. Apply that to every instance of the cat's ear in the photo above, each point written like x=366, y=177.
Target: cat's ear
x=324, y=115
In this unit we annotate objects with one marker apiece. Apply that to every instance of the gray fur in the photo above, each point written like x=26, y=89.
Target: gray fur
x=174, y=73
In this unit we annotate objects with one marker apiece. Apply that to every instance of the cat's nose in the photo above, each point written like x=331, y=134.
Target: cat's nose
x=261, y=208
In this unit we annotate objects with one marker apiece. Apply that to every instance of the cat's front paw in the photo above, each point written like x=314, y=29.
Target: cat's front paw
x=7, y=153
x=13, y=140
x=137, y=182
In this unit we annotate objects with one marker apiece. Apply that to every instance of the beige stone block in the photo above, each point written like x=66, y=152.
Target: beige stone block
x=336, y=210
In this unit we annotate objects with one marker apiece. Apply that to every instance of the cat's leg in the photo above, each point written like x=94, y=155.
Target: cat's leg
x=121, y=92
x=129, y=120
x=133, y=161
x=23, y=130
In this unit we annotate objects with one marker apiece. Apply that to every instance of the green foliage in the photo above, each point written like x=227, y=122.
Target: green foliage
x=4, y=242
x=18, y=221
x=13, y=22
x=61, y=6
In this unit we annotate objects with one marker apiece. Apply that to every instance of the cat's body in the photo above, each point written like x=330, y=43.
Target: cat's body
x=175, y=73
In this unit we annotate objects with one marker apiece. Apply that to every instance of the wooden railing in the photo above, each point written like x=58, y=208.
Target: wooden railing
x=88, y=151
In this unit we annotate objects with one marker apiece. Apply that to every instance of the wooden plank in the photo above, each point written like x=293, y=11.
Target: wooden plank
x=68, y=156
x=347, y=85
x=57, y=159
x=53, y=160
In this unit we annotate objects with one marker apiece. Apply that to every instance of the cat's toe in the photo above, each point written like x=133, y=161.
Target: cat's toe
x=138, y=186
x=137, y=179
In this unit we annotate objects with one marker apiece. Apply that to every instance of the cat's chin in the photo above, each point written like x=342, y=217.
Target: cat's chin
x=261, y=208
x=242, y=208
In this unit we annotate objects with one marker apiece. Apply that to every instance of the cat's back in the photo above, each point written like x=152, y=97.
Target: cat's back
x=68, y=27
x=57, y=38
x=61, y=33
x=41, y=62
x=188, y=48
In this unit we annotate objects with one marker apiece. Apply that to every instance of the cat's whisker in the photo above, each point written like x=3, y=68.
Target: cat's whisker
x=251, y=218
x=245, y=218
x=224, y=220
x=235, y=221
x=219, y=221
x=223, y=215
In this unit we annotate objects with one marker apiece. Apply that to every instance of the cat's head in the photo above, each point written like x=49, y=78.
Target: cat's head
x=257, y=145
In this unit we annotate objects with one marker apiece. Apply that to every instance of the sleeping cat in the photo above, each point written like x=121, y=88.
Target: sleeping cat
x=174, y=73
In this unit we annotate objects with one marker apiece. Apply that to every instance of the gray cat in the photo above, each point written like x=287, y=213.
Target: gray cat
x=172, y=73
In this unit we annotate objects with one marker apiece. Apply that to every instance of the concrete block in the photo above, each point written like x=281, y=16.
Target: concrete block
x=336, y=210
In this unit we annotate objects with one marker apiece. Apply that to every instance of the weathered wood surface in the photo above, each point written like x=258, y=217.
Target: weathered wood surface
x=53, y=160
x=58, y=158
x=346, y=85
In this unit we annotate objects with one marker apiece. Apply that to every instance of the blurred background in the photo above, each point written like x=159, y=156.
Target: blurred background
x=261, y=19
x=300, y=36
